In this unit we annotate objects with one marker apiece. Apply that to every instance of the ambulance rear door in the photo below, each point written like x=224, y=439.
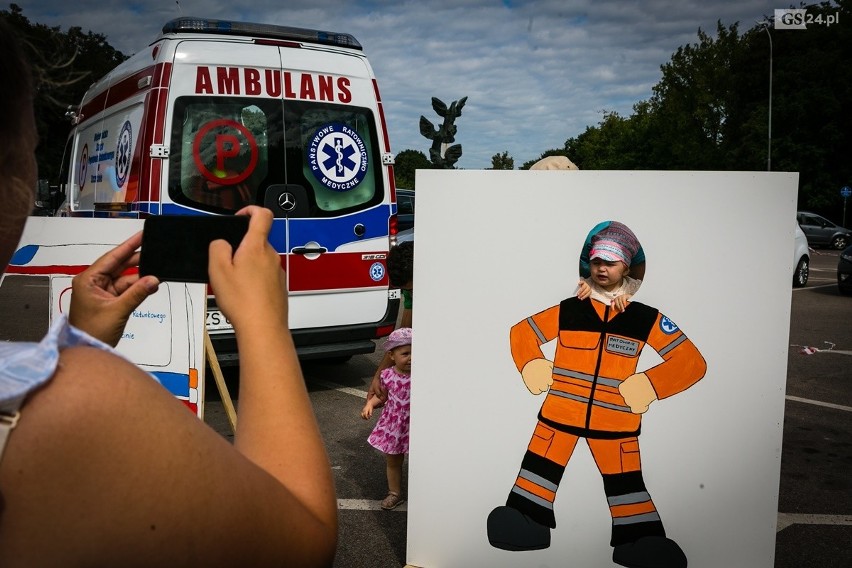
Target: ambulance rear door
x=271, y=125
x=334, y=199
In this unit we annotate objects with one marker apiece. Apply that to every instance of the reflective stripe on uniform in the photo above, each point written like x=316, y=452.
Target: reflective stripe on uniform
x=538, y=480
x=629, y=499
x=585, y=400
x=672, y=345
x=532, y=497
x=586, y=377
x=537, y=331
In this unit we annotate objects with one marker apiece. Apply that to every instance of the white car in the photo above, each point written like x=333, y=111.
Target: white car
x=801, y=258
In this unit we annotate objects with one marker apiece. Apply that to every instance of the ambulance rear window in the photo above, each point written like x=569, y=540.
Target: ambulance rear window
x=226, y=151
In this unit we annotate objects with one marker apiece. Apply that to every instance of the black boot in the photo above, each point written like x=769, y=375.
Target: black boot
x=509, y=529
x=650, y=552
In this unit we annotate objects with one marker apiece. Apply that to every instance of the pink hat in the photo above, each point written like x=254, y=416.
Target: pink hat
x=614, y=243
x=398, y=338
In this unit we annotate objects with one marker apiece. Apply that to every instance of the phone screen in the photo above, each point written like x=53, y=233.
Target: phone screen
x=176, y=247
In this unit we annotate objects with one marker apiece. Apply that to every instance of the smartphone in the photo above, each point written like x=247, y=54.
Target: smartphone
x=176, y=247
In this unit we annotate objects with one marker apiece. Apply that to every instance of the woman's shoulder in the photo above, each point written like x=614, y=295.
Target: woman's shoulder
x=87, y=360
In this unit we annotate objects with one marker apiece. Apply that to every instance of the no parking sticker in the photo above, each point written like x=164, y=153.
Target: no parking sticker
x=216, y=150
x=337, y=156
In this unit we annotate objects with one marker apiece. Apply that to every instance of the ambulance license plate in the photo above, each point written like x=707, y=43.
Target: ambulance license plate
x=216, y=321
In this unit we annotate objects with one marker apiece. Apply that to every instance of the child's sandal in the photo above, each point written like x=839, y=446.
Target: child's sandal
x=392, y=501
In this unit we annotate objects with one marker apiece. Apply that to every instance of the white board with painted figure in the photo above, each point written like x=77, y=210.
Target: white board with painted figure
x=164, y=335
x=578, y=475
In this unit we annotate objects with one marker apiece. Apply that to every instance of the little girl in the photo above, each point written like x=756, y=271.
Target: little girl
x=390, y=436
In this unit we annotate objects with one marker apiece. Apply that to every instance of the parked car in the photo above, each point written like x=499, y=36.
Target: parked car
x=822, y=232
x=844, y=271
x=406, y=235
x=801, y=258
x=404, y=208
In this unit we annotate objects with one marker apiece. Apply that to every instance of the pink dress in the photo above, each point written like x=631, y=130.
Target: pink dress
x=390, y=435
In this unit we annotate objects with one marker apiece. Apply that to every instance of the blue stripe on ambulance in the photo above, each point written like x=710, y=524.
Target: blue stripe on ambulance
x=175, y=383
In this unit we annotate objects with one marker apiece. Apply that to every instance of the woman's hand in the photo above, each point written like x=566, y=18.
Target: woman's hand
x=249, y=283
x=103, y=296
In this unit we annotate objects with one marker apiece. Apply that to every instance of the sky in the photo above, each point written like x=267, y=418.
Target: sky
x=535, y=72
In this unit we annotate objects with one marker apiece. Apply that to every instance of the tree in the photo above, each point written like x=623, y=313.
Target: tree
x=502, y=161
x=406, y=164
x=710, y=109
x=64, y=65
x=694, y=99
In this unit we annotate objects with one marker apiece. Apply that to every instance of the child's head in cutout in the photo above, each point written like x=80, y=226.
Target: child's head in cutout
x=398, y=345
x=612, y=265
x=612, y=252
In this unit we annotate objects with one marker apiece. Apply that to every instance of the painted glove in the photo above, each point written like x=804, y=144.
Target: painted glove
x=638, y=392
x=538, y=375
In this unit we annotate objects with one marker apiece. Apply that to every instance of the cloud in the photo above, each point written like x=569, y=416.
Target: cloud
x=536, y=72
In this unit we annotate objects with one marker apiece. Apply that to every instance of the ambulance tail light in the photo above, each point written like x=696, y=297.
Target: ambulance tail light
x=385, y=330
x=227, y=27
x=393, y=229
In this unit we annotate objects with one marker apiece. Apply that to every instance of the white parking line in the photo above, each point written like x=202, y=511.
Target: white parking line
x=365, y=505
x=787, y=519
x=819, y=403
x=329, y=385
x=814, y=287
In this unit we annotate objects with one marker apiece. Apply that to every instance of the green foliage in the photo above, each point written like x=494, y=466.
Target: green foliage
x=406, y=164
x=502, y=161
x=64, y=65
x=710, y=110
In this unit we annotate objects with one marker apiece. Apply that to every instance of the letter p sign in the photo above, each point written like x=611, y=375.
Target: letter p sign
x=226, y=136
x=227, y=146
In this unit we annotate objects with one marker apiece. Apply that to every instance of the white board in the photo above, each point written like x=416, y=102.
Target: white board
x=494, y=247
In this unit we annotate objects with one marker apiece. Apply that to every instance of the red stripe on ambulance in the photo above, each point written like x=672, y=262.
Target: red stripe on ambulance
x=154, y=122
x=121, y=91
x=333, y=271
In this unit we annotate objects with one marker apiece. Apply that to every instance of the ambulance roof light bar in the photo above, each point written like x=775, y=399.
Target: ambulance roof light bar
x=204, y=25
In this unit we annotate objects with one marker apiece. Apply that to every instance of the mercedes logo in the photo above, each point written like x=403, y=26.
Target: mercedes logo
x=287, y=201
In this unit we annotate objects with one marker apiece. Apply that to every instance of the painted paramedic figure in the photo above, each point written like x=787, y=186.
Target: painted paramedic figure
x=595, y=393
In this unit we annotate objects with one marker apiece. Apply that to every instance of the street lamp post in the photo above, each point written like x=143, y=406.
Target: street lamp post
x=769, y=143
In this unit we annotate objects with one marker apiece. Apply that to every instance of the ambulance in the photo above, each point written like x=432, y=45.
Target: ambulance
x=215, y=115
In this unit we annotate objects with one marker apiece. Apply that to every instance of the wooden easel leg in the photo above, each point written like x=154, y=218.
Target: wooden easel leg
x=220, y=382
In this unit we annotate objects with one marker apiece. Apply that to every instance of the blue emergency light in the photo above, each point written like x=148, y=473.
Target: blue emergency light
x=189, y=24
